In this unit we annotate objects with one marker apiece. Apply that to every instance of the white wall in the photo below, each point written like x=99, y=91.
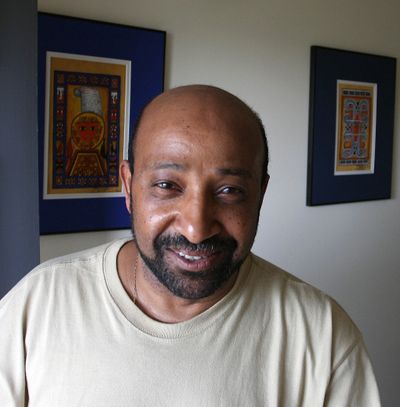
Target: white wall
x=259, y=50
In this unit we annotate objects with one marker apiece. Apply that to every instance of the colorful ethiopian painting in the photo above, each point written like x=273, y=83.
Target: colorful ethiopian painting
x=355, y=128
x=87, y=109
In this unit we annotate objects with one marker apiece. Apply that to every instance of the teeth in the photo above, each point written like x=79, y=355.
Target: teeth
x=187, y=257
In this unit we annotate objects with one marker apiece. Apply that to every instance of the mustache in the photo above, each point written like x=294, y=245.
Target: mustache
x=210, y=245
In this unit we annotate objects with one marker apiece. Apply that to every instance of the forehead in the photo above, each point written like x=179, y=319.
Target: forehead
x=202, y=128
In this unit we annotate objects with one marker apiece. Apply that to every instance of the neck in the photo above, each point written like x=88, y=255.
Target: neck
x=155, y=300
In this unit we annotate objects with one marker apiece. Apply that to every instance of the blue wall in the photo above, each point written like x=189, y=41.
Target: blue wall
x=19, y=218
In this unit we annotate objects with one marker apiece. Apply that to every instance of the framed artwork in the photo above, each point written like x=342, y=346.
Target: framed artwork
x=351, y=120
x=94, y=78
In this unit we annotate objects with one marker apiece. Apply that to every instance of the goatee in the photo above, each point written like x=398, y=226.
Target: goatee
x=188, y=284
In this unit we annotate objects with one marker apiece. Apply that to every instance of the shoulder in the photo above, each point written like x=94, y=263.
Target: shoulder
x=304, y=309
x=316, y=336
x=58, y=274
x=288, y=287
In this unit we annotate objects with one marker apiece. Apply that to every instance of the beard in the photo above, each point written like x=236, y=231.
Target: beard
x=188, y=284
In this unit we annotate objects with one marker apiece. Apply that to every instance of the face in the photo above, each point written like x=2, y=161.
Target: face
x=195, y=192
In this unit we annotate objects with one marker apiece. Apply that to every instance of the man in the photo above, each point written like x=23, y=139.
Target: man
x=183, y=314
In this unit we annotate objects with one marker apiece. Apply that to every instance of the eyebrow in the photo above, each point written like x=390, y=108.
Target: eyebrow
x=167, y=165
x=237, y=172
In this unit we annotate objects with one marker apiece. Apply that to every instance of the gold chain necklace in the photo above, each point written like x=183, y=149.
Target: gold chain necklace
x=135, y=292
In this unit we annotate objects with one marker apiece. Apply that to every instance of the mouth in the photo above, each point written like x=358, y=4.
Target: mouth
x=194, y=261
x=190, y=257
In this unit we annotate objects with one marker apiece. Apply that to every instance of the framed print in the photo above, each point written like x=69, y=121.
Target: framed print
x=94, y=79
x=355, y=128
x=86, y=113
x=351, y=119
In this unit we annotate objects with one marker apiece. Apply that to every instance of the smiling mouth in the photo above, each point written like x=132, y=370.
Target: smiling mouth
x=196, y=261
x=191, y=258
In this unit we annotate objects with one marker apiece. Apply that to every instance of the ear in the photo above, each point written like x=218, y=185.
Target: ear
x=126, y=176
x=264, y=189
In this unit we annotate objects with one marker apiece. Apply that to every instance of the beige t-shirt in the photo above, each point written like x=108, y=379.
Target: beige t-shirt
x=70, y=336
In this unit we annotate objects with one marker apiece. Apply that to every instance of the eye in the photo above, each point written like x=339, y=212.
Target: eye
x=166, y=189
x=231, y=190
x=231, y=193
x=165, y=185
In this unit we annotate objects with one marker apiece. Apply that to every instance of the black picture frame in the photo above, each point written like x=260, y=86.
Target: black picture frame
x=328, y=66
x=145, y=48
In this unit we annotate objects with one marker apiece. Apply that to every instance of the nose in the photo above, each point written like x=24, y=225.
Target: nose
x=197, y=217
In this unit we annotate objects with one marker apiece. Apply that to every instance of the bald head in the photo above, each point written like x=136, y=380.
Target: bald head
x=213, y=107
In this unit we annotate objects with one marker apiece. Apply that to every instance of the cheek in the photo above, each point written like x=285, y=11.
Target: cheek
x=149, y=221
x=242, y=226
